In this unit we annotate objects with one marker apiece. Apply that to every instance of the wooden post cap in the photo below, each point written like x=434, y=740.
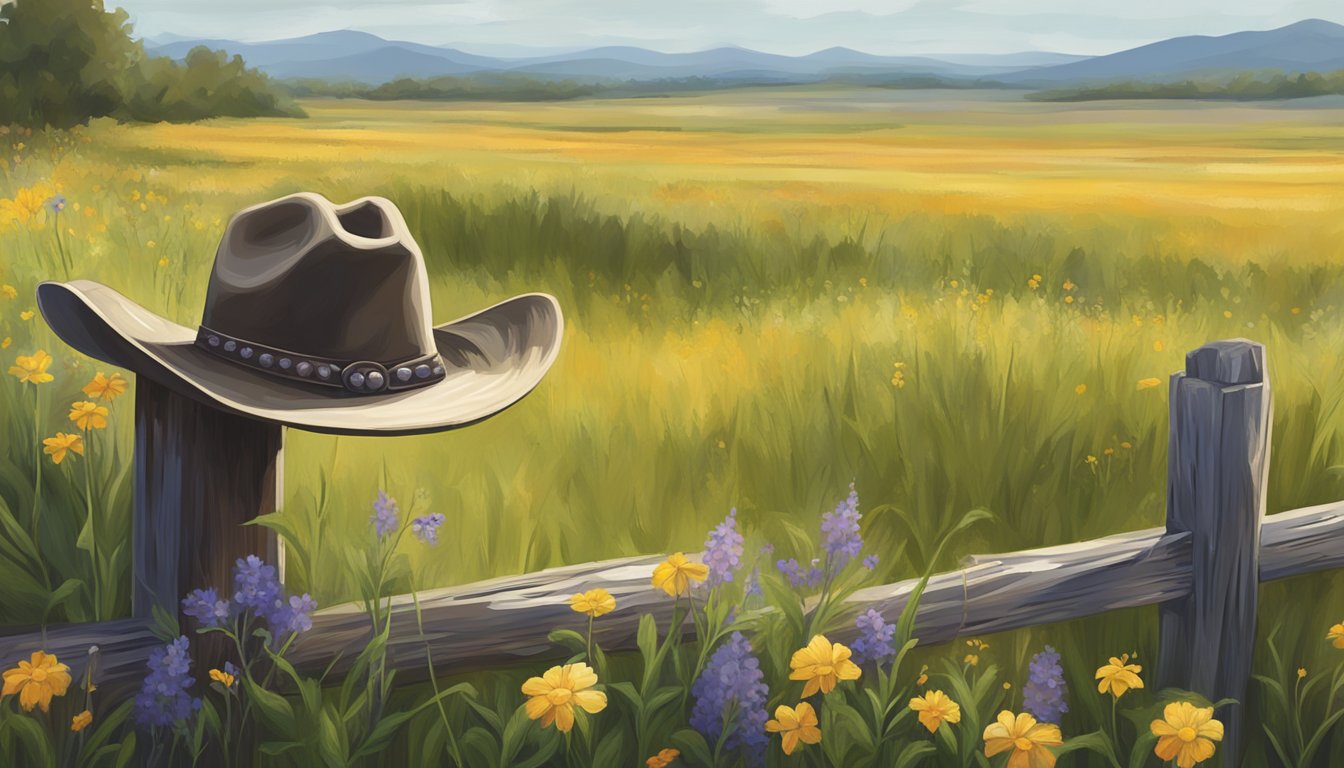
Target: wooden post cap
x=1229, y=362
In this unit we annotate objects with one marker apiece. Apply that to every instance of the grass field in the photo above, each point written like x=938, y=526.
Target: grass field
x=951, y=299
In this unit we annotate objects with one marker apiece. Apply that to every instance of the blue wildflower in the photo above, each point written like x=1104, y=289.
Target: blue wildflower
x=206, y=607
x=840, y=528
x=723, y=550
x=163, y=699
x=293, y=616
x=256, y=587
x=732, y=683
x=426, y=528
x=874, y=640
x=1045, y=691
x=870, y=562
x=384, y=517
x=753, y=588
x=56, y=204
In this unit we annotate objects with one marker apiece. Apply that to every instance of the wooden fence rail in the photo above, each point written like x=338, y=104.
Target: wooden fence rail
x=1202, y=569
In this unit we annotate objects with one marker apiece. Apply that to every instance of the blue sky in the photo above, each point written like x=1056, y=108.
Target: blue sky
x=503, y=27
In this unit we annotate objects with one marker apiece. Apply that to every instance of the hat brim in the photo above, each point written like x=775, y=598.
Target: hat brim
x=493, y=358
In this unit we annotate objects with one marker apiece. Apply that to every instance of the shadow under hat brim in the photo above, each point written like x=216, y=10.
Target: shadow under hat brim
x=493, y=358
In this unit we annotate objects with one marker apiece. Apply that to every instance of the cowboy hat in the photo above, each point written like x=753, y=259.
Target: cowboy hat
x=317, y=316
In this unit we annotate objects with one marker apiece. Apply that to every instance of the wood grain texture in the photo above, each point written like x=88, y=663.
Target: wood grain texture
x=506, y=621
x=1218, y=465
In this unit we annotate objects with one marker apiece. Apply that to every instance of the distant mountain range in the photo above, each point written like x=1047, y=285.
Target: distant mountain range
x=1311, y=45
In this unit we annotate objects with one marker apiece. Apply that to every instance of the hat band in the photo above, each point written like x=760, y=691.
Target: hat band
x=360, y=377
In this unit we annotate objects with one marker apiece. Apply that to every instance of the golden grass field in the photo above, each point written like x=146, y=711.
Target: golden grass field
x=817, y=239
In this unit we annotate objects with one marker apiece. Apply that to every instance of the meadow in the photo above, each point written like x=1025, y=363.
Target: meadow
x=955, y=301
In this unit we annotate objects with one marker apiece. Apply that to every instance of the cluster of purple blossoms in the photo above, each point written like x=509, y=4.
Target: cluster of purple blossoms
x=256, y=589
x=733, y=679
x=840, y=529
x=163, y=699
x=426, y=528
x=384, y=517
x=796, y=574
x=1045, y=691
x=870, y=562
x=723, y=550
x=874, y=640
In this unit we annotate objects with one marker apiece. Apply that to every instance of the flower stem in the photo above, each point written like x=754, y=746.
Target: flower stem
x=89, y=521
x=35, y=521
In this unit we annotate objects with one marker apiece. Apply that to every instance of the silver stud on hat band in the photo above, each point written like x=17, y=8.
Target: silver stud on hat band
x=361, y=377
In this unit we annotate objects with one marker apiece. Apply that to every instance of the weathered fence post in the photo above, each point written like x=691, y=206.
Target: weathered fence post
x=200, y=473
x=1218, y=459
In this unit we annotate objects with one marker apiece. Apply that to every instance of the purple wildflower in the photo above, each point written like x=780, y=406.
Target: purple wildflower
x=723, y=550
x=1045, y=691
x=426, y=528
x=874, y=641
x=205, y=606
x=733, y=679
x=56, y=204
x=163, y=699
x=384, y=517
x=841, y=531
x=753, y=588
x=793, y=571
x=255, y=586
x=870, y=562
x=293, y=616
x=815, y=574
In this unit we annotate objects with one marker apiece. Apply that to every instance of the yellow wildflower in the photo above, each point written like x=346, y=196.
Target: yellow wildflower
x=9, y=291
x=222, y=677
x=935, y=708
x=822, y=664
x=1301, y=672
x=1149, y=383
x=81, y=721
x=37, y=681
x=663, y=759
x=1336, y=635
x=1029, y=740
x=26, y=204
x=107, y=388
x=1158, y=345
x=5, y=344
x=1227, y=313
x=26, y=314
x=1108, y=452
x=796, y=724
x=1068, y=299
x=675, y=574
x=163, y=262
x=1186, y=733
x=972, y=659
x=32, y=369
x=1068, y=285
x=554, y=694
x=923, y=674
x=1119, y=676
x=1126, y=445
x=594, y=602
x=1081, y=389
x=88, y=415
x=57, y=446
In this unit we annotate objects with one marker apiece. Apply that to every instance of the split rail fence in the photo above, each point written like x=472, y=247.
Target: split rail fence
x=201, y=473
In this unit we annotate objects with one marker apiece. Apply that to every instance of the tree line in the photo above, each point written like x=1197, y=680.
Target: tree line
x=64, y=62
x=1246, y=86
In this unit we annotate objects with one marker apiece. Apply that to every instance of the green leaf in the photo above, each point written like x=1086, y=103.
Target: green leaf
x=480, y=747
x=905, y=625
x=913, y=753
x=127, y=752
x=1096, y=741
x=543, y=755
x=568, y=638
x=274, y=748
x=609, y=750
x=275, y=711
x=693, y=747
x=68, y=589
x=515, y=732
x=31, y=734
x=1143, y=747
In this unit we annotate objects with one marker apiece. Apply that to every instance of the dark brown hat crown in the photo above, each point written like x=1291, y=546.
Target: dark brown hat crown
x=306, y=289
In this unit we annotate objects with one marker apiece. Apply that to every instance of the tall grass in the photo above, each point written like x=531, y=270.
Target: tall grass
x=712, y=363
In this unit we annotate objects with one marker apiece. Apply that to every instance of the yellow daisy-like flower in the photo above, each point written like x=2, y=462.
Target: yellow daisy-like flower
x=107, y=388
x=1119, y=676
x=663, y=759
x=26, y=204
x=1081, y=389
x=796, y=724
x=56, y=447
x=935, y=708
x=1186, y=733
x=88, y=415
x=81, y=721
x=222, y=677
x=594, y=602
x=1029, y=740
x=1148, y=383
x=675, y=574
x=822, y=664
x=8, y=291
x=5, y=344
x=554, y=694
x=26, y=314
x=1336, y=635
x=32, y=369
x=36, y=681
